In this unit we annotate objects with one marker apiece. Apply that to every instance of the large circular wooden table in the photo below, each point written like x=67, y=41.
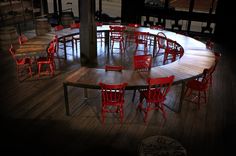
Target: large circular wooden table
x=191, y=65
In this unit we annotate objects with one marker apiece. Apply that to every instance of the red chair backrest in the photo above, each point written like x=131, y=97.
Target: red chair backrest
x=135, y=25
x=179, y=49
x=99, y=23
x=157, y=27
x=112, y=94
x=159, y=87
x=142, y=62
x=58, y=27
x=75, y=25
x=171, y=44
x=141, y=37
x=113, y=68
x=117, y=32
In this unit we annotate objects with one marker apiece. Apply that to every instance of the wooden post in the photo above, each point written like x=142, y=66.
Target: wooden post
x=191, y=5
x=88, y=33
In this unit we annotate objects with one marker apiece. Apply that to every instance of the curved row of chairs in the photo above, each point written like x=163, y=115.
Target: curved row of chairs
x=142, y=39
x=121, y=39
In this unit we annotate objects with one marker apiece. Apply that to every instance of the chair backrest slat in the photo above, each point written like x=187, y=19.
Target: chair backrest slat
x=142, y=62
x=159, y=87
x=112, y=93
x=113, y=68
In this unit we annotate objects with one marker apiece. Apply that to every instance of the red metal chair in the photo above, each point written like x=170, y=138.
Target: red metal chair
x=113, y=68
x=21, y=63
x=155, y=95
x=199, y=85
x=117, y=35
x=22, y=39
x=142, y=63
x=48, y=61
x=112, y=99
x=141, y=38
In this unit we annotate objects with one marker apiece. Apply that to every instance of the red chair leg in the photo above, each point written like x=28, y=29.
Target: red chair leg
x=121, y=115
x=163, y=110
x=199, y=99
x=39, y=69
x=205, y=96
x=51, y=69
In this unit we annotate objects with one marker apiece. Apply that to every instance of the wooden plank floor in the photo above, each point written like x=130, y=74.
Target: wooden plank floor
x=33, y=120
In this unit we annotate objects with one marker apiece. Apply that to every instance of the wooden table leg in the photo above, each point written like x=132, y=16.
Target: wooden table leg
x=107, y=44
x=66, y=99
x=64, y=43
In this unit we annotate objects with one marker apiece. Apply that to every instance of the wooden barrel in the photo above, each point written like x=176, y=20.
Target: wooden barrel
x=8, y=36
x=66, y=20
x=42, y=26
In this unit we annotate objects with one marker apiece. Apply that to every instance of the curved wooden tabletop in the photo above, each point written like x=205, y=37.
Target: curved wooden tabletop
x=195, y=59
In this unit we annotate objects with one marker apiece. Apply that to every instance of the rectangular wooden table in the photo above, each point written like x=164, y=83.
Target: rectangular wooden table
x=36, y=46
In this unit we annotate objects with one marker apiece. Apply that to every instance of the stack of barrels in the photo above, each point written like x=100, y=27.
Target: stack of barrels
x=42, y=26
x=8, y=36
